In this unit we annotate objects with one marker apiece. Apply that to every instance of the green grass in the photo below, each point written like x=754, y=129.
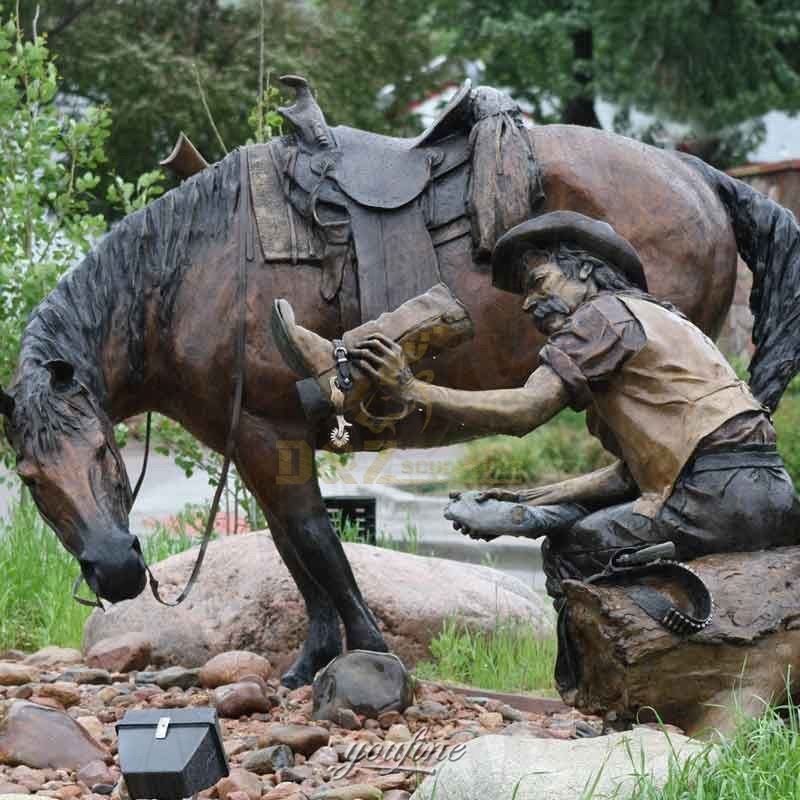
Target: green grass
x=759, y=761
x=36, y=605
x=510, y=657
x=561, y=448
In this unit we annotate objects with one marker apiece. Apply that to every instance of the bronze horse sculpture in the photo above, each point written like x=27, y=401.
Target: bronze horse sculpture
x=146, y=322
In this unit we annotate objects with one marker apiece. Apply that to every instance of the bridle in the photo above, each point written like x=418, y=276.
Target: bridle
x=246, y=254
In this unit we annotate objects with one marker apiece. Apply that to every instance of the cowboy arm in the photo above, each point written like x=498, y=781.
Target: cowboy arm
x=509, y=411
x=611, y=484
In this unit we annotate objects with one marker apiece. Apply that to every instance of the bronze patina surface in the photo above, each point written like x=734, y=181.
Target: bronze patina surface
x=147, y=322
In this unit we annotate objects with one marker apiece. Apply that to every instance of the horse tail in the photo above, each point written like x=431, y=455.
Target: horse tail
x=768, y=240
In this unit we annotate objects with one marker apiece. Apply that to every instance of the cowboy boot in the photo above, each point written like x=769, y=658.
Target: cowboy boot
x=424, y=325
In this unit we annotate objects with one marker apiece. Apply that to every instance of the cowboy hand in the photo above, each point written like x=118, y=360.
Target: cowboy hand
x=506, y=495
x=464, y=522
x=384, y=361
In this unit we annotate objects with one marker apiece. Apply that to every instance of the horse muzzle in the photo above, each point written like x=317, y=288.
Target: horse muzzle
x=115, y=569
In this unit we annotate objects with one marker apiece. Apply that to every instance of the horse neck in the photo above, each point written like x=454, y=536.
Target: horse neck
x=112, y=315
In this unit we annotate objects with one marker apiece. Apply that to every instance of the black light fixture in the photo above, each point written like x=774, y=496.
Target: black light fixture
x=170, y=754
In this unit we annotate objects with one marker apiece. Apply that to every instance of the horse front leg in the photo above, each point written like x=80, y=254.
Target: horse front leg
x=277, y=464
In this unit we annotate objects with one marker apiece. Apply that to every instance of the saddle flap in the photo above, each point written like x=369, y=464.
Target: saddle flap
x=379, y=171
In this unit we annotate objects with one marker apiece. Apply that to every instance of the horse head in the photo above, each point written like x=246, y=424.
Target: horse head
x=68, y=457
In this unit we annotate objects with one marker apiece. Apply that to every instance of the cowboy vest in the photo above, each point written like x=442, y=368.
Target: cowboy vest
x=673, y=392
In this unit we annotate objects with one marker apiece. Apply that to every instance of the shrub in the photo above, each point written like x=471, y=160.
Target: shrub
x=559, y=449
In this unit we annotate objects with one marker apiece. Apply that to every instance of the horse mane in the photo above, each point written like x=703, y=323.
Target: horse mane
x=145, y=254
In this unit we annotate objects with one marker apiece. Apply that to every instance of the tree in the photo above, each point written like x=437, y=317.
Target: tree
x=52, y=157
x=48, y=171
x=149, y=58
x=709, y=64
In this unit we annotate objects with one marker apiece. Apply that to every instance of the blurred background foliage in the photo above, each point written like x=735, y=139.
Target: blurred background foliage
x=712, y=65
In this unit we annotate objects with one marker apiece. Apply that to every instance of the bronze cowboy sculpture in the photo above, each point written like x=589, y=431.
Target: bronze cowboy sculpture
x=170, y=313
x=697, y=472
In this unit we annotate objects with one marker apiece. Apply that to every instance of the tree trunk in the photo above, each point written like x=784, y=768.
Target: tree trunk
x=579, y=109
x=630, y=662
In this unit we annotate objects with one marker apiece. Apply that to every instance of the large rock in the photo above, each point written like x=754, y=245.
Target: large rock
x=630, y=663
x=44, y=738
x=362, y=681
x=502, y=767
x=246, y=600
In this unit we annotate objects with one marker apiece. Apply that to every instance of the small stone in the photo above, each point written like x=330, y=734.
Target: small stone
x=355, y=791
x=13, y=788
x=490, y=719
x=283, y=791
x=234, y=747
x=431, y=709
x=389, y=718
x=325, y=757
x=69, y=792
x=238, y=699
x=32, y=779
x=398, y=733
x=131, y=651
x=12, y=655
x=86, y=676
x=103, y=788
x=107, y=694
x=66, y=694
x=305, y=739
x=177, y=677
x=396, y=794
x=395, y=780
x=238, y=796
x=53, y=656
x=231, y=667
x=240, y=780
x=510, y=714
x=12, y=674
x=21, y=692
x=346, y=718
x=46, y=702
x=95, y=772
x=268, y=759
x=144, y=678
x=295, y=774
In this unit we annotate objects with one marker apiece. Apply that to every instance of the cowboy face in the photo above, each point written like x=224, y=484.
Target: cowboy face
x=550, y=296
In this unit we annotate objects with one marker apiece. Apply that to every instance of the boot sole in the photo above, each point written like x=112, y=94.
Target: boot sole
x=291, y=355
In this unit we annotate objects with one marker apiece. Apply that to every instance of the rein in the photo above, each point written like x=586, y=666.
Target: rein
x=246, y=253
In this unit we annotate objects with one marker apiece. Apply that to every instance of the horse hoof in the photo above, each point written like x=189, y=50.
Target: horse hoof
x=295, y=678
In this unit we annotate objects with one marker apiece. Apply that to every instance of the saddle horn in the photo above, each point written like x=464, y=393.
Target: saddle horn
x=6, y=404
x=305, y=114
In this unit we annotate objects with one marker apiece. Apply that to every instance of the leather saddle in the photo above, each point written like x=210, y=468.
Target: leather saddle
x=379, y=196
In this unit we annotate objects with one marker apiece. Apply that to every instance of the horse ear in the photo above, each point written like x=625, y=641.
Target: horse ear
x=6, y=404
x=62, y=373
